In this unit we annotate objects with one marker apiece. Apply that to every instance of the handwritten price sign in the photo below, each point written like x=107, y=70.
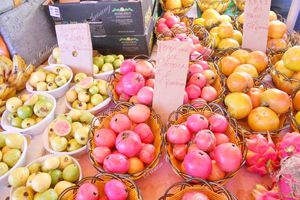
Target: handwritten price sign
x=255, y=30
x=75, y=44
x=170, y=77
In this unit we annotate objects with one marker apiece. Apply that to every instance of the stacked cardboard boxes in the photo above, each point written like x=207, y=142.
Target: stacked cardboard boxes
x=116, y=26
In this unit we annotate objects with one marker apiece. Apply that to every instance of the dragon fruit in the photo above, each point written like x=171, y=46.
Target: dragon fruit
x=261, y=156
x=262, y=193
x=289, y=145
x=288, y=178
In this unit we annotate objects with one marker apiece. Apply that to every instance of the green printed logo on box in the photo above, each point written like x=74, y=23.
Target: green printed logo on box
x=128, y=39
x=121, y=9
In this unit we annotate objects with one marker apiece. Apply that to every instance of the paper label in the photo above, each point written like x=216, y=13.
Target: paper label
x=170, y=77
x=255, y=30
x=54, y=11
x=75, y=44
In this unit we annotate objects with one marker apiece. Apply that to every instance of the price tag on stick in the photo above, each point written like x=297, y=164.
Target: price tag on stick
x=170, y=77
x=75, y=44
x=255, y=29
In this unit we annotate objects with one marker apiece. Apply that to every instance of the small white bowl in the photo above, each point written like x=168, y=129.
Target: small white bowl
x=21, y=161
x=105, y=75
x=35, y=129
x=51, y=60
x=58, y=92
x=47, y=146
x=95, y=109
x=41, y=159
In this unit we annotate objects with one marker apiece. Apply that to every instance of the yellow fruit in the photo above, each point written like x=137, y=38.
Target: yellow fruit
x=258, y=59
x=173, y=4
x=241, y=55
x=277, y=29
x=247, y=68
x=291, y=58
x=211, y=17
x=272, y=15
x=277, y=44
x=215, y=39
x=241, y=18
x=225, y=18
x=214, y=30
x=228, y=43
x=279, y=66
x=239, y=105
x=263, y=119
x=199, y=21
x=297, y=118
x=135, y=165
x=225, y=30
x=237, y=35
x=187, y=3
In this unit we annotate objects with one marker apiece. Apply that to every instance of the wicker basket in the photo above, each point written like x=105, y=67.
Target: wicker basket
x=103, y=120
x=212, y=190
x=177, y=11
x=100, y=180
x=117, y=76
x=183, y=112
x=218, y=5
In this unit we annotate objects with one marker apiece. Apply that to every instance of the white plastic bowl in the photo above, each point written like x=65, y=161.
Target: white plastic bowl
x=51, y=60
x=95, y=109
x=47, y=146
x=41, y=159
x=58, y=92
x=35, y=129
x=105, y=75
x=21, y=161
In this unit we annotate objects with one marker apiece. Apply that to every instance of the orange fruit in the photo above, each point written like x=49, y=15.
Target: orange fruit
x=135, y=165
x=228, y=65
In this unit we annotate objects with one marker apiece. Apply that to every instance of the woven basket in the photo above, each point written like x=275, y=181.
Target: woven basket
x=220, y=54
x=182, y=113
x=177, y=11
x=115, y=78
x=100, y=180
x=102, y=121
x=212, y=190
x=218, y=5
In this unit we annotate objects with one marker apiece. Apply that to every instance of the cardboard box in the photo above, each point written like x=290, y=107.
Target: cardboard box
x=105, y=17
x=6, y=5
x=128, y=45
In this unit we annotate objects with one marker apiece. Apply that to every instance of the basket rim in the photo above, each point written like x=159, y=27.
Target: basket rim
x=117, y=108
x=187, y=108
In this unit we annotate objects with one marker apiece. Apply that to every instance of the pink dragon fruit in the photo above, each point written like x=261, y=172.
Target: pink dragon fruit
x=288, y=178
x=289, y=145
x=262, y=193
x=261, y=156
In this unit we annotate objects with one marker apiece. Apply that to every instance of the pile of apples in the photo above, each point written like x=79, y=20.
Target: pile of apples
x=44, y=180
x=252, y=63
x=260, y=107
x=107, y=63
x=289, y=66
x=126, y=146
x=203, y=147
x=137, y=82
x=87, y=93
x=47, y=80
x=169, y=22
x=177, y=4
x=27, y=110
x=199, y=83
x=10, y=151
x=69, y=132
x=114, y=189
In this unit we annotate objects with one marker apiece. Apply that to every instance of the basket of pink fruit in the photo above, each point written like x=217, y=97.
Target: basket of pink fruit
x=197, y=189
x=203, y=142
x=102, y=187
x=127, y=140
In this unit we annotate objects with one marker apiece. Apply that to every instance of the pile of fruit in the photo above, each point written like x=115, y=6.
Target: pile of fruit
x=200, y=83
x=56, y=55
x=296, y=107
x=211, y=18
x=177, y=6
x=114, y=189
x=11, y=146
x=107, y=63
x=69, y=132
x=45, y=179
x=286, y=72
x=126, y=143
x=13, y=77
x=203, y=148
x=47, y=80
x=219, y=5
x=87, y=93
x=27, y=110
x=135, y=82
x=252, y=63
